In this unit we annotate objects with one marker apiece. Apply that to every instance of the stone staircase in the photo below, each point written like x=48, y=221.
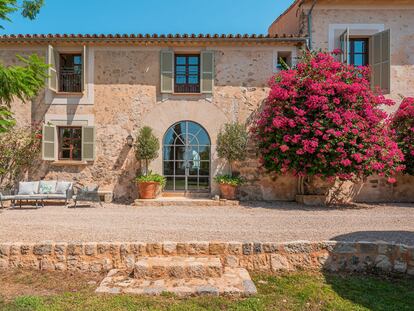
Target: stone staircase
x=182, y=276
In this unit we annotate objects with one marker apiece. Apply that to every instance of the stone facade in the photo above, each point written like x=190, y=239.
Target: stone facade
x=267, y=257
x=124, y=94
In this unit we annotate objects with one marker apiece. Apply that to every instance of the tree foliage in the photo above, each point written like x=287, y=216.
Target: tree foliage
x=29, y=8
x=19, y=148
x=323, y=119
x=232, y=143
x=21, y=82
x=403, y=124
x=146, y=146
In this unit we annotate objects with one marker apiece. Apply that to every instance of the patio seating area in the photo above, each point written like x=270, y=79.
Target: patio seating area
x=36, y=193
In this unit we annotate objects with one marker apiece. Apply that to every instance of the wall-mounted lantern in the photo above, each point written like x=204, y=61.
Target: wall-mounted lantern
x=130, y=140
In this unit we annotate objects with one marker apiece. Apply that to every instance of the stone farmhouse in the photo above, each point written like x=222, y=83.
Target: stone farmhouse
x=103, y=88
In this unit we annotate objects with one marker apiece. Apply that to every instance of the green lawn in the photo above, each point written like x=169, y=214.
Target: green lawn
x=296, y=291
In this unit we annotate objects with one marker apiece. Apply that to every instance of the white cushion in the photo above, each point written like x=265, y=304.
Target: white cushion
x=63, y=186
x=47, y=186
x=28, y=187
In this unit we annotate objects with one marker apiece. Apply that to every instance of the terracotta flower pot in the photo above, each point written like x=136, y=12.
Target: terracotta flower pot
x=228, y=192
x=147, y=190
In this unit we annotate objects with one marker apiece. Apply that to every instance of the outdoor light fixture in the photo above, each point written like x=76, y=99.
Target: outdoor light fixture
x=130, y=140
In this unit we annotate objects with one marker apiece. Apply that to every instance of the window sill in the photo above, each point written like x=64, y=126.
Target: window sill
x=74, y=94
x=69, y=163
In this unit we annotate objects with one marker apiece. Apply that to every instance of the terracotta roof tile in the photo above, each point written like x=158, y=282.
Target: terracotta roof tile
x=10, y=38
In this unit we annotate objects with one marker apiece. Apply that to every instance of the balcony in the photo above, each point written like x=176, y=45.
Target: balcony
x=70, y=82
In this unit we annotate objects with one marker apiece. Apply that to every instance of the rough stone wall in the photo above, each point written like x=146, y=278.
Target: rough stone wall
x=333, y=256
x=127, y=96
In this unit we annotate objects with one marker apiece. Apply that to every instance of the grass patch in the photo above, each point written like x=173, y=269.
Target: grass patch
x=295, y=291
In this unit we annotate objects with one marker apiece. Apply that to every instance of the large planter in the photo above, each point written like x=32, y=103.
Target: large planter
x=148, y=190
x=228, y=192
x=316, y=192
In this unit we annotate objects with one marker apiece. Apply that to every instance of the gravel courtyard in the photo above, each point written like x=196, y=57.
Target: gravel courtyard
x=276, y=222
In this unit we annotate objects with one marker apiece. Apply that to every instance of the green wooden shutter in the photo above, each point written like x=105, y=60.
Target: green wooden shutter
x=167, y=71
x=207, y=72
x=381, y=61
x=52, y=72
x=84, y=67
x=48, y=142
x=88, y=143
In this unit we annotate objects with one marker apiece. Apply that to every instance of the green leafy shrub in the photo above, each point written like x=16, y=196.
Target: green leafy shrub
x=19, y=148
x=151, y=177
x=146, y=147
x=229, y=180
x=232, y=143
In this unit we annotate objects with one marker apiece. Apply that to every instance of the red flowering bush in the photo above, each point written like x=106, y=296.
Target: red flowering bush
x=403, y=124
x=322, y=119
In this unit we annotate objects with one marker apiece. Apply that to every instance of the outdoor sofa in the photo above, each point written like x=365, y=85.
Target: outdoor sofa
x=38, y=192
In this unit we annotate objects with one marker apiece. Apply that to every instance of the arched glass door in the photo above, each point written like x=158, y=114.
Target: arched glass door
x=186, y=157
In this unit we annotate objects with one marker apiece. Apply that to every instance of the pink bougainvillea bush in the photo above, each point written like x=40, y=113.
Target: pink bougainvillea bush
x=403, y=124
x=322, y=119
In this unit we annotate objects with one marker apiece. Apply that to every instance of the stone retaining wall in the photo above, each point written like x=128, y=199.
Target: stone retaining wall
x=329, y=255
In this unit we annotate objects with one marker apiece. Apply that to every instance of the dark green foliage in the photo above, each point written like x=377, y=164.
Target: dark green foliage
x=21, y=82
x=232, y=143
x=30, y=8
x=146, y=146
x=151, y=177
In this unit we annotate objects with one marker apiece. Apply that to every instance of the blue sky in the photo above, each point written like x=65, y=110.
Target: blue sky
x=150, y=16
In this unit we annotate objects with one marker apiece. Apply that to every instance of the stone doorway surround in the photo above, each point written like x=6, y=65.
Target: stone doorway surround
x=197, y=109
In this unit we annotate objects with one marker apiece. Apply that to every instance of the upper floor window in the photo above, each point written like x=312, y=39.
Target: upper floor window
x=187, y=73
x=70, y=73
x=358, y=51
x=67, y=70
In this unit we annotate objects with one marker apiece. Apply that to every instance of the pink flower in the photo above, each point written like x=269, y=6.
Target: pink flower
x=284, y=148
x=392, y=180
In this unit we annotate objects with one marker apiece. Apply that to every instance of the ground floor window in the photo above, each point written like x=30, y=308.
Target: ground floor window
x=70, y=143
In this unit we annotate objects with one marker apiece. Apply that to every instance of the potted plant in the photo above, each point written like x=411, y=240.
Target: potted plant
x=146, y=150
x=231, y=146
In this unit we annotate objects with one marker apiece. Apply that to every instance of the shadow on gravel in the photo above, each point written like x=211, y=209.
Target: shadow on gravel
x=293, y=206
x=398, y=237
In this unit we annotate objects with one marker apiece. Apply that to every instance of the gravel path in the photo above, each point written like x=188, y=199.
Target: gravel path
x=260, y=222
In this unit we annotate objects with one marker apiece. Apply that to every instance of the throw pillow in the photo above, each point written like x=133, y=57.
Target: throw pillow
x=28, y=187
x=47, y=186
x=63, y=186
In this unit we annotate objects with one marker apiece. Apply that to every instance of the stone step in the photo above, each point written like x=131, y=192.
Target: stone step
x=233, y=282
x=183, y=194
x=154, y=268
x=183, y=201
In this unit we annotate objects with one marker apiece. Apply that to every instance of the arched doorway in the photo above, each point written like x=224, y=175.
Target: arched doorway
x=186, y=157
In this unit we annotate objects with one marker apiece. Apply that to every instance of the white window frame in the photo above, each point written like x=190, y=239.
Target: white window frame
x=88, y=96
x=335, y=31
x=290, y=49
